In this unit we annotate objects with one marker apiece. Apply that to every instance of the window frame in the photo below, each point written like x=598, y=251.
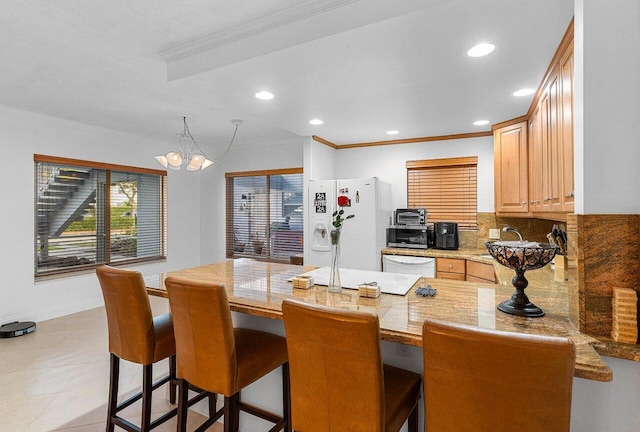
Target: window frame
x=108, y=168
x=229, y=207
x=466, y=223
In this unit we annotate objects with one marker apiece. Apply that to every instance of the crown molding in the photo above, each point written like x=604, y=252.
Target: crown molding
x=302, y=23
x=252, y=28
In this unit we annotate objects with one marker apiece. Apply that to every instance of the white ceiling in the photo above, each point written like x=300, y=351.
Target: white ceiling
x=363, y=66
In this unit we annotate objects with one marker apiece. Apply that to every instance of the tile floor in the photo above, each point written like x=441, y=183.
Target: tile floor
x=57, y=378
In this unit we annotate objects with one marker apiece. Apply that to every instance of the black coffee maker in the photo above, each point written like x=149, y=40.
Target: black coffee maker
x=446, y=234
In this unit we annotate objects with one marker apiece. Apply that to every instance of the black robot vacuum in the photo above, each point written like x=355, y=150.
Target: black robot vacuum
x=17, y=329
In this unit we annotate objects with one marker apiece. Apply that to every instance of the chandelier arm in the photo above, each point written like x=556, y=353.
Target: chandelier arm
x=189, y=149
x=193, y=139
x=230, y=144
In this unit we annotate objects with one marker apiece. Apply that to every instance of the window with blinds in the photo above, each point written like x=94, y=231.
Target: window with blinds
x=264, y=214
x=447, y=188
x=89, y=213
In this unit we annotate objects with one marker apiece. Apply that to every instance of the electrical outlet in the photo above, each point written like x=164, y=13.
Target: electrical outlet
x=494, y=233
x=403, y=350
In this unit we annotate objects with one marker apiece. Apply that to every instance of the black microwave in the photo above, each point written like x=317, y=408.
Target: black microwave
x=409, y=236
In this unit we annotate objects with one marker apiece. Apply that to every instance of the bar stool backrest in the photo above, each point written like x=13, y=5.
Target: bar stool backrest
x=129, y=316
x=204, y=334
x=486, y=380
x=337, y=381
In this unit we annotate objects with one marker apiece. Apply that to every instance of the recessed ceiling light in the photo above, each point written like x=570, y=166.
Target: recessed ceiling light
x=481, y=122
x=524, y=92
x=480, y=50
x=393, y=132
x=316, y=122
x=264, y=95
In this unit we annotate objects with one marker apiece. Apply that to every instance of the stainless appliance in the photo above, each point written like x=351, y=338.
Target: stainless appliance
x=446, y=234
x=408, y=236
x=414, y=216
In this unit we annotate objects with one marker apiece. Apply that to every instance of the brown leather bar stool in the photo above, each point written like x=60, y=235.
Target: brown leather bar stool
x=487, y=380
x=136, y=336
x=218, y=358
x=338, y=380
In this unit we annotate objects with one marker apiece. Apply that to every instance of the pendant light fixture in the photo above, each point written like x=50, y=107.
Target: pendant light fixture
x=189, y=154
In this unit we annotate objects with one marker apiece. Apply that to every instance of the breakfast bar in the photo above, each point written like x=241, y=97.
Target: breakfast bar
x=258, y=288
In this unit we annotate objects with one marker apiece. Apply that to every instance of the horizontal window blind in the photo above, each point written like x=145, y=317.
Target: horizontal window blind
x=264, y=214
x=447, y=188
x=87, y=214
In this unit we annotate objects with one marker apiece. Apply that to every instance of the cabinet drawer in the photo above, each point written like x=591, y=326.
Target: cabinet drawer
x=480, y=271
x=450, y=265
x=452, y=276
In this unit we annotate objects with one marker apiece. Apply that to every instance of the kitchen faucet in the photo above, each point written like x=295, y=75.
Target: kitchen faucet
x=508, y=228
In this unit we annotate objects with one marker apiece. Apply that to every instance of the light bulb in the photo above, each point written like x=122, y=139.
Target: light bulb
x=196, y=160
x=174, y=160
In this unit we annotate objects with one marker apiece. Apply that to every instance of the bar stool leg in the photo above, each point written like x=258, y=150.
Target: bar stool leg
x=228, y=413
x=172, y=383
x=412, y=422
x=236, y=412
x=113, y=391
x=183, y=405
x=286, y=397
x=147, y=383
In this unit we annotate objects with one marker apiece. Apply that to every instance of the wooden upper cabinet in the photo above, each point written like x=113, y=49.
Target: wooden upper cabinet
x=567, y=195
x=539, y=182
x=511, y=168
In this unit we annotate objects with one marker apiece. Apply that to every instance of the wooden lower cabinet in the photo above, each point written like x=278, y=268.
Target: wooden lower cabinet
x=464, y=270
x=451, y=268
x=479, y=272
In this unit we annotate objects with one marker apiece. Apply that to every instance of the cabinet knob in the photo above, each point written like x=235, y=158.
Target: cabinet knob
x=570, y=195
x=547, y=198
x=523, y=202
x=450, y=266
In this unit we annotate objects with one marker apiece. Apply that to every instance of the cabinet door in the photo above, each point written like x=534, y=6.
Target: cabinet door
x=566, y=75
x=480, y=272
x=535, y=161
x=511, y=168
x=554, y=143
x=544, y=160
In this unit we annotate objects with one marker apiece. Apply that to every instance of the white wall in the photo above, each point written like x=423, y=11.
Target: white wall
x=389, y=164
x=212, y=192
x=610, y=407
x=25, y=134
x=607, y=106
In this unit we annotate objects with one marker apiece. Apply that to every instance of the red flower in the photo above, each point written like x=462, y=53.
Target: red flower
x=343, y=200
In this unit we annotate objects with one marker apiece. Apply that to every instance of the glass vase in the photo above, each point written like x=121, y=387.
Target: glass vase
x=334, y=276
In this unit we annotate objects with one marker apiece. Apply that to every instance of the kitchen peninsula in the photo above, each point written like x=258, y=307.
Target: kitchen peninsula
x=258, y=288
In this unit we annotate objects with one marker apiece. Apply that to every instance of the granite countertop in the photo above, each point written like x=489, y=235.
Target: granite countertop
x=558, y=280
x=258, y=288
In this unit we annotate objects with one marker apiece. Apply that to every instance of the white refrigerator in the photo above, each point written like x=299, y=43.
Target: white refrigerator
x=362, y=237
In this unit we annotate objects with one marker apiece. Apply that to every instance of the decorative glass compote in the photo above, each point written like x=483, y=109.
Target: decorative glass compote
x=521, y=256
